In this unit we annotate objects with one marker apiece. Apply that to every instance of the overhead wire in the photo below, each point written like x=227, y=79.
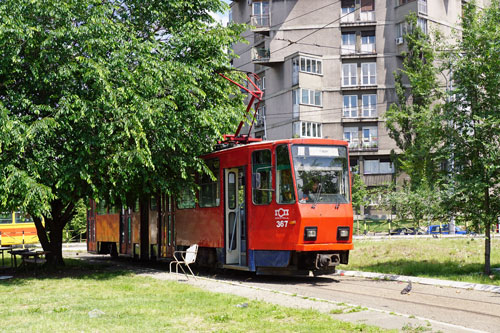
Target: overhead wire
x=315, y=30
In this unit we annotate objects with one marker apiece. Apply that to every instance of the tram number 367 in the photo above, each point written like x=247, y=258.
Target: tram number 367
x=281, y=224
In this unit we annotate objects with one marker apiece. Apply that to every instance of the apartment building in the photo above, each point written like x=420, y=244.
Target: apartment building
x=327, y=68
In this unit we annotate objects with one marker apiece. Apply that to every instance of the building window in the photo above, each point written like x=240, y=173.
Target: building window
x=375, y=167
x=306, y=129
x=348, y=43
x=422, y=6
x=369, y=105
x=370, y=137
x=261, y=84
x=209, y=188
x=347, y=11
x=351, y=135
x=368, y=42
x=367, y=10
x=422, y=23
x=306, y=96
x=260, y=11
x=295, y=102
x=295, y=71
x=401, y=29
x=311, y=65
x=261, y=115
x=349, y=75
x=369, y=74
x=350, y=106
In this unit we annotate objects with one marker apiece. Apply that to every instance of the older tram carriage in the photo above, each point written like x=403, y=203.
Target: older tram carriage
x=275, y=207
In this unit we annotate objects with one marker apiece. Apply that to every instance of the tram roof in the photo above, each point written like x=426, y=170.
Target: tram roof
x=307, y=141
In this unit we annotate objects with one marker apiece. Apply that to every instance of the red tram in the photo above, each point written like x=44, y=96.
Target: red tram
x=275, y=207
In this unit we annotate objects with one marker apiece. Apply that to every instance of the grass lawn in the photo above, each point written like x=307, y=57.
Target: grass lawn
x=90, y=298
x=450, y=259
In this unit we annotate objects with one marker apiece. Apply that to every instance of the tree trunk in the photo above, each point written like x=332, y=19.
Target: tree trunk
x=487, y=248
x=487, y=233
x=51, y=234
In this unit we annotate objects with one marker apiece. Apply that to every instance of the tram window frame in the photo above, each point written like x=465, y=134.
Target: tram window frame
x=209, y=192
x=26, y=218
x=263, y=168
x=281, y=187
x=5, y=218
x=187, y=199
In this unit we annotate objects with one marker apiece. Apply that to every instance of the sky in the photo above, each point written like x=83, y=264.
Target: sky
x=222, y=17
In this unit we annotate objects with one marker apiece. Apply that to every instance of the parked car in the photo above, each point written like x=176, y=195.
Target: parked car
x=407, y=231
x=445, y=230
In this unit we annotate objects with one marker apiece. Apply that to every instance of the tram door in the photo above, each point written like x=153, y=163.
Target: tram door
x=126, y=231
x=91, y=218
x=167, y=227
x=235, y=216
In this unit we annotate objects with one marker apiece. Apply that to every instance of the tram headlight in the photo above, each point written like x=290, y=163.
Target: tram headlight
x=310, y=233
x=343, y=233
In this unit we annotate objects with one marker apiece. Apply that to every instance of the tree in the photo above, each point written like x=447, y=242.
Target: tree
x=360, y=194
x=471, y=120
x=412, y=121
x=107, y=99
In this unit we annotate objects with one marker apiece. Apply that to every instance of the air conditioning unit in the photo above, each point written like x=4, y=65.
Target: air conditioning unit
x=260, y=121
x=399, y=40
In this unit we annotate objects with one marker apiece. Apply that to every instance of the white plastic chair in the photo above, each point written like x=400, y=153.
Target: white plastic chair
x=186, y=258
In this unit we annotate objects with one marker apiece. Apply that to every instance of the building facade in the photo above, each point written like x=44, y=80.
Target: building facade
x=327, y=68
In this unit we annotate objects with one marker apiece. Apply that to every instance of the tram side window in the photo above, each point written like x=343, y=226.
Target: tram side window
x=284, y=181
x=186, y=199
x=209, y=188
x=261, y=177
x=23, y=218
x=5, y=218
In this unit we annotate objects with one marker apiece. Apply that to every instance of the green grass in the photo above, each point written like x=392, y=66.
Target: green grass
x=89, y=298
x=450, y=259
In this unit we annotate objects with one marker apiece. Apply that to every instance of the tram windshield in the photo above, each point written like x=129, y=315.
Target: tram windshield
x=322, y=174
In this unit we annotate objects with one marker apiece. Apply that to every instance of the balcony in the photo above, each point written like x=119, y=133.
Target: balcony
x=261, y=54
x=357, y=18
x=366, y=51
x=260, y=22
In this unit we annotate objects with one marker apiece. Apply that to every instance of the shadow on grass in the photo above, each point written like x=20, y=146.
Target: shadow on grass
x=73, y=268
x=450, y=270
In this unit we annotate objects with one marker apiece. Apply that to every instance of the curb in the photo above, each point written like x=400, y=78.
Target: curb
x=429, y=281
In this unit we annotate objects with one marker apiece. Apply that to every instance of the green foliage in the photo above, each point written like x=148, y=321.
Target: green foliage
x=360, y=193
x=412, y=121
x=108, y=99
x=471, y=119
x=416, y=205
x=78, y=225
x=440, y=258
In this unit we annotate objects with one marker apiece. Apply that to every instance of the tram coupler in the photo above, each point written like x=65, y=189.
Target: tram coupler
x=327, y=260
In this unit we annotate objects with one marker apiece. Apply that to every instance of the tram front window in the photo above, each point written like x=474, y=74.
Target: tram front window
x=322, y=174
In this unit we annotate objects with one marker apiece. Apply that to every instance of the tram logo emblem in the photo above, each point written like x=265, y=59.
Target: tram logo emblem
x=281, y=213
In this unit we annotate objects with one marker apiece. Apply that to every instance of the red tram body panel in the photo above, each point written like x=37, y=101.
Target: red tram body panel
x=274, y=207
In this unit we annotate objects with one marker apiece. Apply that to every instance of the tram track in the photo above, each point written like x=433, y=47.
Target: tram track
x=476, y=310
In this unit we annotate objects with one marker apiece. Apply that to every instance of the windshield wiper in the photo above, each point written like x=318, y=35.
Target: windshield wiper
x=316, y=198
